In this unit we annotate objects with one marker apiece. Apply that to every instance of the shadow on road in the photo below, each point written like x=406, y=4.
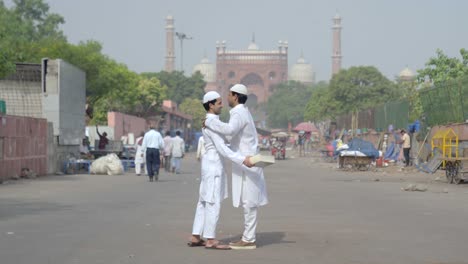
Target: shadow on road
x=263, y=239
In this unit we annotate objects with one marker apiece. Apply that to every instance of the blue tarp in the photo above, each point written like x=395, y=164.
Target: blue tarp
x=393, y=151
x=363, y=146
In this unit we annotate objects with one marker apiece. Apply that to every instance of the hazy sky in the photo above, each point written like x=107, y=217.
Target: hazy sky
x=387, y=34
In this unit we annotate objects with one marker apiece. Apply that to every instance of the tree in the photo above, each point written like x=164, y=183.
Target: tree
x=320, y=106
x=411, y=94
x=442, y=68
x=194, y=107
x=179, y=86
x=147, y=98
x=28, y=33
x=359, y=88
x=24, y=30
x=287, y=104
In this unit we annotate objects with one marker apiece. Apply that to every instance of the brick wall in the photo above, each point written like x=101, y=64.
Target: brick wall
x=124, y=124
x=23, y=144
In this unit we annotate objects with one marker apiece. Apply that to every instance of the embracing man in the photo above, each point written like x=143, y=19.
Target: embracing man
x=213, y=184
x=248, y=184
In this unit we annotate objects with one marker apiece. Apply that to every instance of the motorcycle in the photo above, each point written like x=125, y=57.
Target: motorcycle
x=279, y=152
x=278, y=145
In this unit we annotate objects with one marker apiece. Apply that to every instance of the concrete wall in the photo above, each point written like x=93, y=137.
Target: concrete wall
x=23, y=144
x=64, y=100
x=124, y=124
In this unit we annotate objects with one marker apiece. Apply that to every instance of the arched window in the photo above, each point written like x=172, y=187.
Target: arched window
x=252, y=79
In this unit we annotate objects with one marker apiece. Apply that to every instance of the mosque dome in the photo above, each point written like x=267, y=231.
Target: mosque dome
x=302, y=72
x=406, y=74
x=252, y=46
x=207, y=69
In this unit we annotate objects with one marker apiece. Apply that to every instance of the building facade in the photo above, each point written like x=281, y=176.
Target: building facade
x=259, y=70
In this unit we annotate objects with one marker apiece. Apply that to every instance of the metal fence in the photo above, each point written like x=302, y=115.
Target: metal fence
x=392, y=113
x=446, y=103
x=379, y=117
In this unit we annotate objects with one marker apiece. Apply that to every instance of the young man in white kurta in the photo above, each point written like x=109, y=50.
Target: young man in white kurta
x=213, y=184
x=140, y=158
x=177, y=152
x=248, y=184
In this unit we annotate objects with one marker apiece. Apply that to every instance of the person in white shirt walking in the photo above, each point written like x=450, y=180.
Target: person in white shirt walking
x=177, y=152
x=213, y=183
x=167, y=151
x=248, y=184
x=140, y=158
x=152, y=143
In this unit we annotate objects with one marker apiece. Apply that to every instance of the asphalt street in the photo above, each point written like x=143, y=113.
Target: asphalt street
x=316, y=214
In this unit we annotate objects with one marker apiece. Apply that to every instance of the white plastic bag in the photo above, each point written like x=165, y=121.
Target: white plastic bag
x=109, y=164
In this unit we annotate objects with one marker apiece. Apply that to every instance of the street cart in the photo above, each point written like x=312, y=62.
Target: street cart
x=356, y=161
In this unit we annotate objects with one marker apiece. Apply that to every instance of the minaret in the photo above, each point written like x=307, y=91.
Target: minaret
x=170, y=51
x=336, y=55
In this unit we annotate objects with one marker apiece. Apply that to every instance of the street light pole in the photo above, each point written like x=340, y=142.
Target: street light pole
x=181, y=37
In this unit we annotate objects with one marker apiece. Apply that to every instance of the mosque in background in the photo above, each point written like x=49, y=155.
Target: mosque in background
x=260, y=70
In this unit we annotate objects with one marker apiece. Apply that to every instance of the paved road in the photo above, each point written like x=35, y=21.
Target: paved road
x=316, y=215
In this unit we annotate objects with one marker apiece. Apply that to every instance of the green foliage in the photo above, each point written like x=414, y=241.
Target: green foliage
x=28, y=33
x=410, y=93
x=194, y=107
x=287, y=104
x=179, y=86
x=142, y=98
x=320, y=107
x=442, y=68
x=359, y=88
x=24, y=29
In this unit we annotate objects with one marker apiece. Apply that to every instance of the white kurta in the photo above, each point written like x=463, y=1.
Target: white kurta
x=200, y=147
x=213, y=185
x=248, y=183
x=139, y=150
x=177, y=147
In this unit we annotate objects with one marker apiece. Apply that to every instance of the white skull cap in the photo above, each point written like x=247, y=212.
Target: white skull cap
x=239, y=88
x=211, y=95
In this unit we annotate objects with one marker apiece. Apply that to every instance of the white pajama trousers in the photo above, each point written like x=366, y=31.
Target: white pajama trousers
x=206, y=219
x=138, y=167
x=250, y=224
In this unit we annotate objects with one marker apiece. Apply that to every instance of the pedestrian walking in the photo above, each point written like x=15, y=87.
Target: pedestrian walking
x=140, y=157
x=167, y=151
x=177, y=152
x=152, y=143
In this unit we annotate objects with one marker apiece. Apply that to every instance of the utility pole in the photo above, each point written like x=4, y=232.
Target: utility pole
x=181, y=37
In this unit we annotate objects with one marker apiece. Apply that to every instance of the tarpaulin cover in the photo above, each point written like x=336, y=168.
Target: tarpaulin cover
x=363, y=146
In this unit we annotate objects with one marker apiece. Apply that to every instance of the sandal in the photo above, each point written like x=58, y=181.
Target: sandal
x=218, y=246
x=199, y=243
